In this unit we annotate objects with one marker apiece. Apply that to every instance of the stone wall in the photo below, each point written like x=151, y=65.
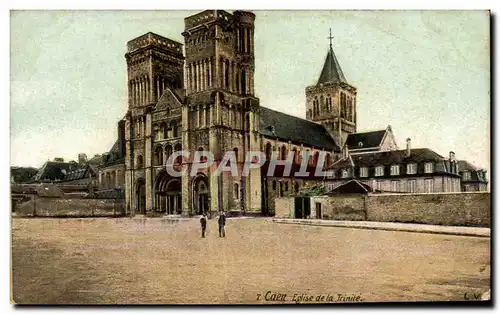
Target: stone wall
x=458, y=209
x=285, y=207
x=64, y=207
x=453, y=209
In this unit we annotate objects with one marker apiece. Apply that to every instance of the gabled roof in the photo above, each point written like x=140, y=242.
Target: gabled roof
x=275, y=124
x=169, y=99
x=365, y=140
x=331, y=70
x=351, y=187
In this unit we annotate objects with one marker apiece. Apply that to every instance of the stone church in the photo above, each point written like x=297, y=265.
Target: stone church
x=202, y=98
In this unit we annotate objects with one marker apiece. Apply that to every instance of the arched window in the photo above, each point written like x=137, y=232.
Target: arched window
x=140, y=161
x=203, y=159
x=315, y=159
x=226, y=74
x=236, y=192
x=168, y=151
x=296, y=187
x=274, y=185
x=295, y=155
x=286, y=186
x=159, y=156
x=322, y=102
x=283, y=152
x=268, y=151
x=243, y=82
x=235, y=150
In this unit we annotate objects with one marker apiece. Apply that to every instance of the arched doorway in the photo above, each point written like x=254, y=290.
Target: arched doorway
x=140, y=193
x=201, y=195
x=168, y=197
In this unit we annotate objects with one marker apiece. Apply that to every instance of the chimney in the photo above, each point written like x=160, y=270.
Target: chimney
x=408, y=147
x=452, y=156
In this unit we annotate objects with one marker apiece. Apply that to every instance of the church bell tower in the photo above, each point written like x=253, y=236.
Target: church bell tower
x=332, y=101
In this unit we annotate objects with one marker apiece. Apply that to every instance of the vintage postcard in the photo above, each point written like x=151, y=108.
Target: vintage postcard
x=250, y=157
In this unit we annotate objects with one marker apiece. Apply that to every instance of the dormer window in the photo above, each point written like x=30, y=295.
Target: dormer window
x=428, y=167
x=360, y=144
x=394, y=170
x=363, y=172
x=379, y=171
x=466, y=175
x=411, y=169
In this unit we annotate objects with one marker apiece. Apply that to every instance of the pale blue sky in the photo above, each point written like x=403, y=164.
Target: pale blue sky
x=426, y=73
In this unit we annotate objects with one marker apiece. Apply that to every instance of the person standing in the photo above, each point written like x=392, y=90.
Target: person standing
x=203, y=222
x=222, y=224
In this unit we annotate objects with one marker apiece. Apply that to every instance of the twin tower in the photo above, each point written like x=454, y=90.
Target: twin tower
x=203, y=99
x=200, y=99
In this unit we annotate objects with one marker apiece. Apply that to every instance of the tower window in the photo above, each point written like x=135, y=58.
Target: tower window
x=226, y=74
x=236, y=191
x=243, y=82
x=140, y=161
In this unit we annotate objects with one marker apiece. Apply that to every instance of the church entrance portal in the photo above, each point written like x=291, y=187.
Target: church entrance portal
x=168, y=197
x=201, y=195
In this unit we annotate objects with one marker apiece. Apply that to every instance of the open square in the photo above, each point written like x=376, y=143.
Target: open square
x=160, y=261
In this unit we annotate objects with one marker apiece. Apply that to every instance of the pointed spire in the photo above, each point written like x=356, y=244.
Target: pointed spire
x=332, y=72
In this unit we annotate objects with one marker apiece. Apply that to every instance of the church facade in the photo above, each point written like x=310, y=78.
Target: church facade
x=205, y=101
x=202, y=98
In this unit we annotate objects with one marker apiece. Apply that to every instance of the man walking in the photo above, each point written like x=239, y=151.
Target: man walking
x=222, y=224
x=203, y=222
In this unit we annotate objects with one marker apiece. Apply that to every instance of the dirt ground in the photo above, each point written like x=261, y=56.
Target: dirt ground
x=155, y=261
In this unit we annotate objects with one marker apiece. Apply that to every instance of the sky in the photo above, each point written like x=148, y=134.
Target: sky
x=425, y=73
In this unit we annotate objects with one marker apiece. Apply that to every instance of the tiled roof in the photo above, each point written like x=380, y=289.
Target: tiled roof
x=386, y=159
x=396, y=157
x=81, y=173
x=352, y=186
x=365, y=139
x=464, y=165
x=332, y=72
x=289, y=128
x=52, y=170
